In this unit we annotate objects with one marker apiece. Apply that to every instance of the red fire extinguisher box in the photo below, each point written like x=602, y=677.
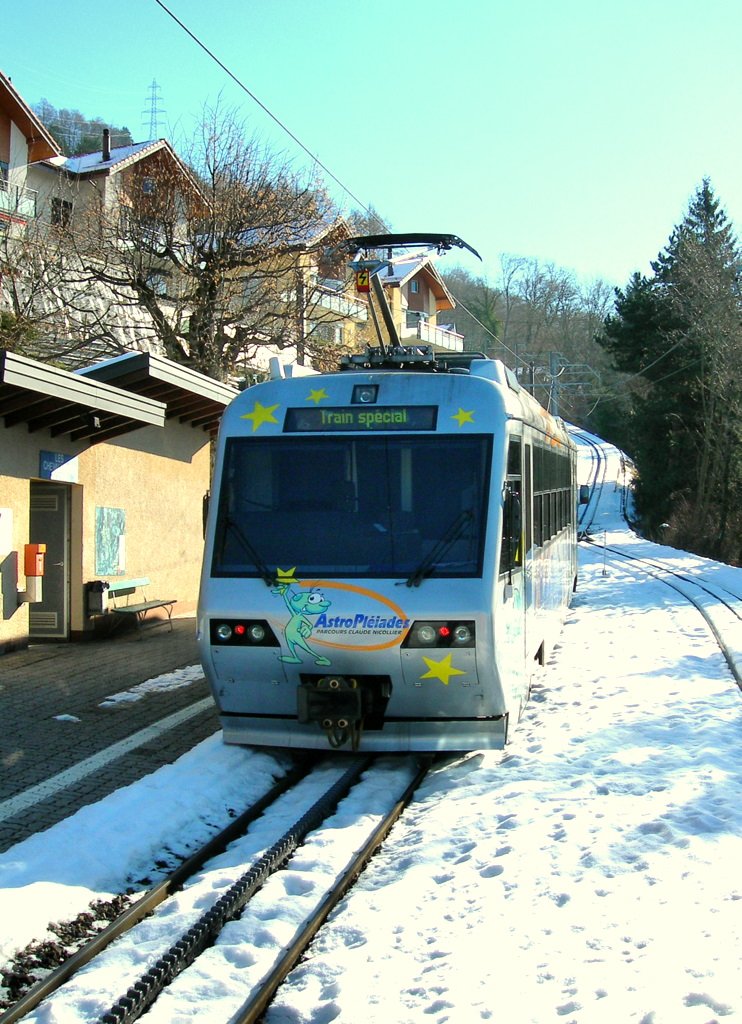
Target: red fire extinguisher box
x=33, y=559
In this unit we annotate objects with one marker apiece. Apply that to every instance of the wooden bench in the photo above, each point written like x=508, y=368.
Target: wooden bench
x=120, y=593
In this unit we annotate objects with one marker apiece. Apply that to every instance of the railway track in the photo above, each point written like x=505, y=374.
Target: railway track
x=598, y=469
x=299, y=826
x=720, y=607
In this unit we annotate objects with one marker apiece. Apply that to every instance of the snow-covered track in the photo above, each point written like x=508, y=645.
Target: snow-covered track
x=598, y=470
x=151, y=899
x=720, y=607
x=183, y=941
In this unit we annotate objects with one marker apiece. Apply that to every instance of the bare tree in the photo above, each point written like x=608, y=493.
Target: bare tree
x=50, y=307
x=215, y=247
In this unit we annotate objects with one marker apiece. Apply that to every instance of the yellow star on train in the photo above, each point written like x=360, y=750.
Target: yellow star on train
x=286, y=575
x=463, y=416
x=317, y=396
x=442, y=670
x=261, y=414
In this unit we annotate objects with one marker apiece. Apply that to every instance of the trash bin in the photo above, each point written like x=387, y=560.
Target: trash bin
x=95, y=592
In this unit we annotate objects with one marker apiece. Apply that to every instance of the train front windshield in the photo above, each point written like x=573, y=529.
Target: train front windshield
x=396, y=506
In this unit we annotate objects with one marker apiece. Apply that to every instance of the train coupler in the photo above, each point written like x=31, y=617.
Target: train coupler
x=335, y=704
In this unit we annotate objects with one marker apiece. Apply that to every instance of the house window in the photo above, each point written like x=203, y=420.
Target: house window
x=61, y=212
x=157, y=281
x=414, y=287
x=148, y=186
x=3, y=172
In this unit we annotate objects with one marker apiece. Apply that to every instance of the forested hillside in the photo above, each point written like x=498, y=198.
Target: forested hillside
x=75, y=133
x=655, y=367
x=542, y=322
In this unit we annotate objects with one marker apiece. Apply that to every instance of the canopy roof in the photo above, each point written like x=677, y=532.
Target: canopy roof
x=111, y=398
x=189, y=396
x=47, y=398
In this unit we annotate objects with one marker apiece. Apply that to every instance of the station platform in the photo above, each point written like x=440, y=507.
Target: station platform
x=76, y=722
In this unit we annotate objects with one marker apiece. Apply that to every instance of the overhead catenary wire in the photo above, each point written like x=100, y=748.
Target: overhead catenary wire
x=615, y=393
x=309, y=153
x=266, y=110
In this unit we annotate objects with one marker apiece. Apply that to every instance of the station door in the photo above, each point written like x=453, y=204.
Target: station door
x=50, y=524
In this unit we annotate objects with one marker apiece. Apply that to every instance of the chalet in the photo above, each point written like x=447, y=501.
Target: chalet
x=417, y=295
x=23, y=141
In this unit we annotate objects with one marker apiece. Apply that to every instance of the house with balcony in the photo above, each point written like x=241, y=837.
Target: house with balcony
x=121, y=204
x=417, y=297
x=116, y=208
x=110, y=183
x=23, y=141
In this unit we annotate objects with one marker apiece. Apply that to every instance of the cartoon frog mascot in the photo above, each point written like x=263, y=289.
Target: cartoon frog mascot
x=301, y=605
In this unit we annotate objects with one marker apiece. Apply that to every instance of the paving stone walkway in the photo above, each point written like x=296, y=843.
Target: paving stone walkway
x=60, y=749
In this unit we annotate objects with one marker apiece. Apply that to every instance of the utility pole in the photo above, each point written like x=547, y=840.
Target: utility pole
x=560, y=375
x=154, y=111
x=556, y=369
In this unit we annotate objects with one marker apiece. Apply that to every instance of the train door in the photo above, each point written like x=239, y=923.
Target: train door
x=527, y=502
x=512, y=558
x=49, y=523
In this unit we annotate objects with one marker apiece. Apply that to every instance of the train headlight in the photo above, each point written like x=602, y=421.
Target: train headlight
x=242, y=633
x=256, y=633
x=425, y=635
x=441, y=634
x=462, y=636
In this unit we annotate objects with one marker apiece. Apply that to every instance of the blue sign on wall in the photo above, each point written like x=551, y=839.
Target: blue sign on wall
x=50, y=462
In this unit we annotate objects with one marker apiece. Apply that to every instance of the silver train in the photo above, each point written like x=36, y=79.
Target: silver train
x=390, y=551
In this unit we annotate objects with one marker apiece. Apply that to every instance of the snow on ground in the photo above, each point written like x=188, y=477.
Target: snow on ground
x=589, y=874
x=167, y=681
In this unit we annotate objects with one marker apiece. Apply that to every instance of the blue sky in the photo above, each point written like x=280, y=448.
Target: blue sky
x=571, y=131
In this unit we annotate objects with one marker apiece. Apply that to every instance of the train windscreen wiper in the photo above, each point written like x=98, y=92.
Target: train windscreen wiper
x=266, y=575
x=436, y=553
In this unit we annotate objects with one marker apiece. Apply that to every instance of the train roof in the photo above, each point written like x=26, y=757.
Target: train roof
x=421, y=359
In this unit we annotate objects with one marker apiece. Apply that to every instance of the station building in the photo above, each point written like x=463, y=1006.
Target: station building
x=103, y=473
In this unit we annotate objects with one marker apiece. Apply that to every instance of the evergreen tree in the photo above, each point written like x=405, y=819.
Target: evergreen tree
x=678, y=334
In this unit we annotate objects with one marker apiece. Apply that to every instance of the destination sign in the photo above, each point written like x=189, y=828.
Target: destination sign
x=361, y=417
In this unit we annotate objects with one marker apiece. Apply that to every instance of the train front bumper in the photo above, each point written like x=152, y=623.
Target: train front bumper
x=396, y=736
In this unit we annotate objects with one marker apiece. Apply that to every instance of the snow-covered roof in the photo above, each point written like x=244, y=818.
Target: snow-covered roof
x=120, y=155
x=403, y=270
x=119, y=158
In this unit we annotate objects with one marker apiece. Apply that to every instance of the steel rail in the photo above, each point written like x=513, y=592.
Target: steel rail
x=140, y=996
x=712, y=589
x=150, y=900
x=261, y=997
x=659, y=574
x=599, y=463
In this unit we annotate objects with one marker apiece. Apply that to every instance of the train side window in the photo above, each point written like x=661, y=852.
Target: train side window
x=538, y=468
x=514, y=457
x=554, y=519
x=511, y=553
x=511, y=548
